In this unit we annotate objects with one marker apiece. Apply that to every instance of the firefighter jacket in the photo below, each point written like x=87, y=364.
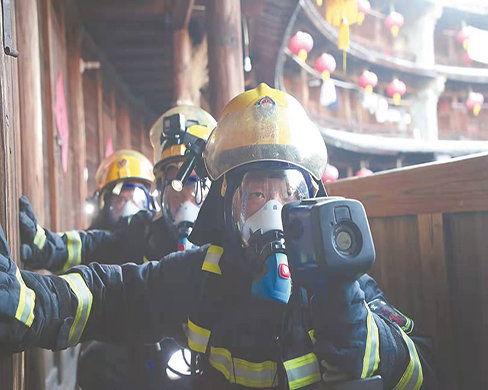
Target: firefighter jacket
x=242, y=341
x=137, y=238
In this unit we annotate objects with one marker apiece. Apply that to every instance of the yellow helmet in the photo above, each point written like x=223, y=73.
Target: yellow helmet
x=124, y=165
x=265, y=124
x=198, y=122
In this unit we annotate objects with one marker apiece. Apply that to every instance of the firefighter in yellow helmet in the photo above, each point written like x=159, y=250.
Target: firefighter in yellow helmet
x=123, y=182
x=168, y=136
x=243, y=332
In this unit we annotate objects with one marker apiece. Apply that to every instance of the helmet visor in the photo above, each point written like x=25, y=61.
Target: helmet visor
x=127, y=199
x=258, y=200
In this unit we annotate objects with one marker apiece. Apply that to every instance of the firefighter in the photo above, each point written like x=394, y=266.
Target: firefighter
x=264, y=152
x=120, y=180
x=124, y=181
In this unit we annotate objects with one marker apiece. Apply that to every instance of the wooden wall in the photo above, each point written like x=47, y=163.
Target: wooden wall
x=53, y=44
x=430, y=228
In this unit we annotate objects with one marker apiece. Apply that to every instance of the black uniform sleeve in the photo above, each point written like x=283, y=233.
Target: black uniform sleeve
x=402, y=344
x=113, y=303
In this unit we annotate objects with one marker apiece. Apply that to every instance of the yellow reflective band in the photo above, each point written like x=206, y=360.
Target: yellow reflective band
x=302, y=371
x=40, y=237
x=27, y=301
x=412, y=378
x=243, y=372
x=311, y=334
x=197, y=337
x=371, y=358
x=85, y=299
x=211, y=262
x=74, y=250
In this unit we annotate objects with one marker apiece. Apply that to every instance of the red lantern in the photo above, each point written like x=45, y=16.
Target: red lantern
x=331, y=174
x=396, y=89
x=363, y=8
x=467, y=59
x=474, y=102
x=300, y=44
x=368, y=81
x=364, y=172
x=393, y=22
x=325, y=65
x=463, y=37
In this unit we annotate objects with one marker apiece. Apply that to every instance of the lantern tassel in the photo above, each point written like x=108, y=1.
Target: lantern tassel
x=476, y=109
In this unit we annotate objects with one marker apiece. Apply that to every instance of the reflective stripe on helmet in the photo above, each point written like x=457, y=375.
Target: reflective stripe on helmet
x=243, y=372
x=412, y=378
x=302, y=371
x=27, y=300
x=197, y=337
x=85, y=299
x=74, y=249
x=371, y=358
x=40, y=237
x=211, y=261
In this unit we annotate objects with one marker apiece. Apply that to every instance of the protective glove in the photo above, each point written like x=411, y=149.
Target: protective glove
x=345, y=332
x=17, y=301
x=127, y=242
x=40, y=249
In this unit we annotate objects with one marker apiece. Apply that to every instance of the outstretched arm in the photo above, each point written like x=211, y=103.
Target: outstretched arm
x=103, y=302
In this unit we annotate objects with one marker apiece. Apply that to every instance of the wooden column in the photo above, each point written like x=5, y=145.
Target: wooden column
x=49, y=113
x=31, y=107
x=77, y=124
x=11, y=366
x=123, y=125
x=101, y=133
x=182, y=67
x=225, y=59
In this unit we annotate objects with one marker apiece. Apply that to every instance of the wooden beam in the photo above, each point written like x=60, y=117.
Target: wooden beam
x=182, y=67
x=181, y=14
x=31, y=107
x=11, y=366
x=77, y=124
x=50, y=120
x=123, y=125
x=225, y=60
x=101, y=133
x=458, y=185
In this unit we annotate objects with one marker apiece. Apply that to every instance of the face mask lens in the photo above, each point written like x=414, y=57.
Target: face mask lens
x=258, y=201
x=183, y=206
x=127, y=200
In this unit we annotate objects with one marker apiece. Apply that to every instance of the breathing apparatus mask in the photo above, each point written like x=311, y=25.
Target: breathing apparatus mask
x=124, y=199
x=181, y=190
x=253, y=204
x=180, y=208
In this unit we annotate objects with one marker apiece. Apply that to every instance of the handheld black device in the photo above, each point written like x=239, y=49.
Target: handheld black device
x=327, y=236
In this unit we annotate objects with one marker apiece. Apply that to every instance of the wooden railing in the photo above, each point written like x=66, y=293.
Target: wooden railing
x=430, y=227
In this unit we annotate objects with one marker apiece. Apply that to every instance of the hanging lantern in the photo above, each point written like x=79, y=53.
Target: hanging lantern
x=325, y=65
x=396, y=89
x=463, y=37
x=368, y=81
x=364, y=172
x=474, y=102
x=300, y=44
x=331, y=174
x=363, y=8
x=467, y=59
x=393, y=22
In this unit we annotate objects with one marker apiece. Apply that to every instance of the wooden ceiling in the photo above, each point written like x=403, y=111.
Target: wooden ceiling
x=137, y=39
